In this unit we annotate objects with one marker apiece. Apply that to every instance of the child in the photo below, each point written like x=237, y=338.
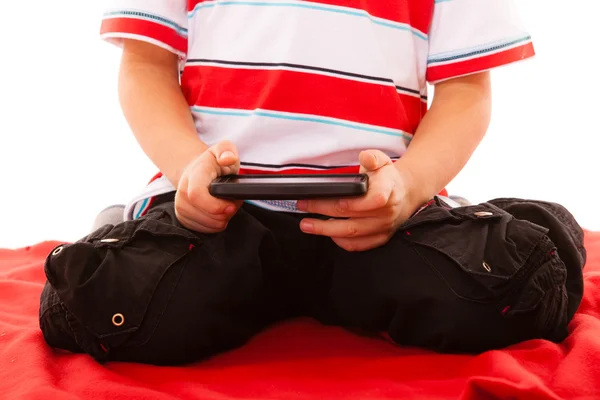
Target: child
x=321, y=86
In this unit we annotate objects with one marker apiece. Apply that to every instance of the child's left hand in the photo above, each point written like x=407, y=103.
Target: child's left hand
x=372, y=219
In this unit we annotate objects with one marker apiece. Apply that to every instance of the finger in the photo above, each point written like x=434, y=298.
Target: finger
x=362, y=243
x=216, y=223
x=198, y=219
x=185, y=208
x=348, y=228
x=331, y=208
x=377, y=198
x=198, y=195
x=226, y=156
x=197, y=226
x=372, y=160
x=189, y=210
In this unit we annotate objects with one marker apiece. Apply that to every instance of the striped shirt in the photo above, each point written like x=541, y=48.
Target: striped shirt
x=303, y=86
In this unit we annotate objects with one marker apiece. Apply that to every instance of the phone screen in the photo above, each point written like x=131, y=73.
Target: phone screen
x=295, y=180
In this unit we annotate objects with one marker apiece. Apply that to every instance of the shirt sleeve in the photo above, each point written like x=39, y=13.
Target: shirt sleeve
x=160, y=22
x=470, y=36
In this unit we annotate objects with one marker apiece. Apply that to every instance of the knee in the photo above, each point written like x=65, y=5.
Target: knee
x=150, y=291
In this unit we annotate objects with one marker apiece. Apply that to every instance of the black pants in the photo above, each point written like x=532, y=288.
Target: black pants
x=467, y=279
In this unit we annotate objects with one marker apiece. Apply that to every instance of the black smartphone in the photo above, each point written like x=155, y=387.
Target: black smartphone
x=289, y=187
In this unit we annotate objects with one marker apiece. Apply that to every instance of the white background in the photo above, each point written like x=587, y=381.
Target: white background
x=66, y=152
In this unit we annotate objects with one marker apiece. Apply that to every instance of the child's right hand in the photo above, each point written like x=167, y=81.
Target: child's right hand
x=195, y=208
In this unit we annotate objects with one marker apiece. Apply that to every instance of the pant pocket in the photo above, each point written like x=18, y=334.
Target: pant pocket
x=485, y=255
x=106, y=281
x=479, y=251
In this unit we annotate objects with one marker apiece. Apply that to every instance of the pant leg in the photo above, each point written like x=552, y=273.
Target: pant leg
x=565, y=233
x=465, y=279
x=151, y=291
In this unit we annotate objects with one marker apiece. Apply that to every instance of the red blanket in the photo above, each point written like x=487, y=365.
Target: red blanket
x=296, y=360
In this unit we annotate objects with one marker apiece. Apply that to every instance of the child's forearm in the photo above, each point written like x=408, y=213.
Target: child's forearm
x=448, y=135
x=156, y=109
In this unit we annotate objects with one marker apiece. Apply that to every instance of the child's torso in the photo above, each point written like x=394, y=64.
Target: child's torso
x=305, y=85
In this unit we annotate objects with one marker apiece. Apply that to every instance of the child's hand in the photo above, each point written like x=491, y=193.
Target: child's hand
x=195, y=208
x=372, y=219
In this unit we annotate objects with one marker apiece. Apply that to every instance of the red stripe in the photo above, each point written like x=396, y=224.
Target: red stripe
x=414, y=13
x=152, y=199
x=296, y=171
x=301, y=93
x=480, y=64
x=145, y=28
x=191, y=4
x=155, y=177
x=149, y=205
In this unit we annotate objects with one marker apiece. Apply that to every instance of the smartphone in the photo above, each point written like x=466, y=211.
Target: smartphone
x=289, y=187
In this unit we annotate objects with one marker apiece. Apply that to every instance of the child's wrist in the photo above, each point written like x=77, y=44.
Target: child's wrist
x=179, y=161
x=419, y=189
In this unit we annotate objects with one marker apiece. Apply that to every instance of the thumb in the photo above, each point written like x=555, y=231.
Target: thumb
x=225, y=153
x=226, y=156
x=372, y=160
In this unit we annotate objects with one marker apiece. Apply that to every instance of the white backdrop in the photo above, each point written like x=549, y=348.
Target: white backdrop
x=66, y=152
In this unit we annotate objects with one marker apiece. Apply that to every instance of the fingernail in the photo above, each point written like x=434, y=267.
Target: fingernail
x=375, y=161
x=307, y=227
x=302, y=205
x=226, y=154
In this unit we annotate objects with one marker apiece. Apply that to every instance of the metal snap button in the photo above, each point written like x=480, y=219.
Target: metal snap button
x=109, y=240
x=487, y=267
x=483, y=214
x=57, y=251
x=118, y=319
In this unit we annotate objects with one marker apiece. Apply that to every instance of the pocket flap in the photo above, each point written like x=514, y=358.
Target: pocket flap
x=439, y=212
x=483, y=243
x=158, y=223
x=108, y=279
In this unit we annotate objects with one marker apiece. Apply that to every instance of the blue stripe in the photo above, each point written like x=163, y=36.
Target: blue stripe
x=303, y=119
x=218, y=112
x=357, y=13
x=481, y=50
x=140, y=14
x=441, y=1
x=144, y=204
